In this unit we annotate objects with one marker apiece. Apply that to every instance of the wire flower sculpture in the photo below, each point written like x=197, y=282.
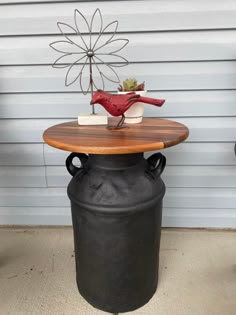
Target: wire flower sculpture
x=85, y=50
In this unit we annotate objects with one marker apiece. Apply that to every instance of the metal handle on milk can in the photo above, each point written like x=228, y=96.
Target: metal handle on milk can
x=71, y=168
x=156, y=164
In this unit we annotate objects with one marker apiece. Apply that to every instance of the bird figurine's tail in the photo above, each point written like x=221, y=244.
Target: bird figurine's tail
x=152, y=101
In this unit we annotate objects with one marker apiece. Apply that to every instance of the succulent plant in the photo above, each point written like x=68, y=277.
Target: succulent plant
x=131, y=85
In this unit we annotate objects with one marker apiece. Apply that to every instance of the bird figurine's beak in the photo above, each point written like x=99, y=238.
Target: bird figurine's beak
x=91, y=102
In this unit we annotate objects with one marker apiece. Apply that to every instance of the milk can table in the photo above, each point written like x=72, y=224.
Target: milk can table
x=116, y=202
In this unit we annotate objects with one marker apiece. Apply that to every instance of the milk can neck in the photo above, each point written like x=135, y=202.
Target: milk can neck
x=115, y=161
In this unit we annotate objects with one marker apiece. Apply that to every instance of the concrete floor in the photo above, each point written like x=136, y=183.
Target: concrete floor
x=197, y=274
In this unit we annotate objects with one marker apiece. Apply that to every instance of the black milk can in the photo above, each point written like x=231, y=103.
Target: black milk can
x=116, y=203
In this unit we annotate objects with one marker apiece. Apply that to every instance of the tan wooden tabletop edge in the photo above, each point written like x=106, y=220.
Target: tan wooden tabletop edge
x=153, y=134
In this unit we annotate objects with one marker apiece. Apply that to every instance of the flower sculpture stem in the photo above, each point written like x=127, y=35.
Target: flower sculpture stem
x=90, y=54
x=91, y=83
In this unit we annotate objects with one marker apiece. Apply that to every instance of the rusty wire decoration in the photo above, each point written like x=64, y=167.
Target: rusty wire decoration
x=86, y=50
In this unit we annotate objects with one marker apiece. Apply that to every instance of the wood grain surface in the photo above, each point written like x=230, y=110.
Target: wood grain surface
x=152, y=134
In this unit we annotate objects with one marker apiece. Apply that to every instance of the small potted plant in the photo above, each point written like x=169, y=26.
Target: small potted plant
x=134, y=114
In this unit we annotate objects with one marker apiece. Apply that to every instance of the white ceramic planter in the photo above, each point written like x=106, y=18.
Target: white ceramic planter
x=134, y=114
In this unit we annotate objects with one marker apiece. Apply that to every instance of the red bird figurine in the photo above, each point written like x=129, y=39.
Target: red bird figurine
x=117, y=104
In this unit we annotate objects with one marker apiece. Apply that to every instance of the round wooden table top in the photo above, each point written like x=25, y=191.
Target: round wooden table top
x=152, y=134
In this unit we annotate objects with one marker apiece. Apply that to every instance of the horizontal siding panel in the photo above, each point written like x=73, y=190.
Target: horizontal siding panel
x=199, y=218
x=172, y=217
x=153, y=47
x=21, y=154
x=35, y=216
x=68, y=105
x=204, y=129
x=210, y=129
x=22, y=176
x=49, y=105
x=161, y=76
x=215, y=198
x=200, y=154
x=54, y=156
x=33, y=197
x=200, y=176
x=193, y=104
x=57, y=176
x=24, y=131
x=182, y=154
x=155, y=15
x=173, y=176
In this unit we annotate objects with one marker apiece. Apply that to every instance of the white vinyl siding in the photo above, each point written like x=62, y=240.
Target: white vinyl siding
x=185, y=50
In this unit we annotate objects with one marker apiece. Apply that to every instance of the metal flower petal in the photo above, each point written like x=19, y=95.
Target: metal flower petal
x=113, y=60
x=95, y=26
x=67, y=30
x=84, y=80
x=107, y=71
x=98, y=80
x=113, y=46
x=105, y=38
x=73, y=74
x=82, y=26
x=96, y=22
x=64, y=46
x=66, y=60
